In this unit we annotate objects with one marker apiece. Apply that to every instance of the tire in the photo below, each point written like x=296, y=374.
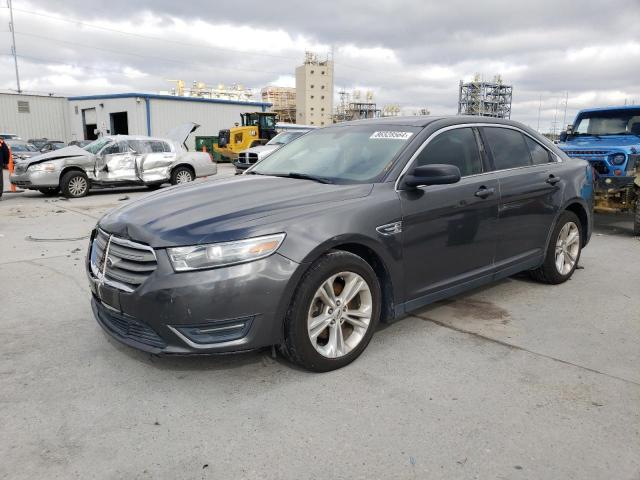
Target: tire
x=341, y=269
x=549, y=271
x=74, y=184
x=182, y=175
x=636, y=219
x=49, y=192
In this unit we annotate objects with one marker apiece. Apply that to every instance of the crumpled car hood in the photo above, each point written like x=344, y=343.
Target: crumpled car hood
x=66, y=152
x=224, y=210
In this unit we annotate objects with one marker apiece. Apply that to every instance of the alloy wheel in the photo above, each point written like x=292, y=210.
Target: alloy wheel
x=78, y=186
x=567, y=248
x=183, y=177
x=340, y=314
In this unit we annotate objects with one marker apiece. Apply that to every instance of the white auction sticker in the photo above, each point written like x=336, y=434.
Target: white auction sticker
x=388, y=135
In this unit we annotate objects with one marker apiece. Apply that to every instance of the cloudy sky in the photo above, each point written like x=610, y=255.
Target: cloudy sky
x=411, y=53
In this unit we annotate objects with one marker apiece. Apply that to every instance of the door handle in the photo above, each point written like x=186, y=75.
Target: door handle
x=485, y=192
x=552, y=180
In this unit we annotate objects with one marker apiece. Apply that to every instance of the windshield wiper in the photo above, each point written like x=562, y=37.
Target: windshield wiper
x=304, y=176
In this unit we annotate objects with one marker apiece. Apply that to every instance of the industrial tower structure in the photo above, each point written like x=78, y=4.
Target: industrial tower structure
x=314, y=91
x=485, y=99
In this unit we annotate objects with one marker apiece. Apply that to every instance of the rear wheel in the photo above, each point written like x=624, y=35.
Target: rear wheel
x=74, y=184
x=563, y=251
x=334, y=313
x=182, y=175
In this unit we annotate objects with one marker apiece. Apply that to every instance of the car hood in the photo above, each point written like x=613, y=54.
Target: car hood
x=181, y=132
x=65, y=152
x=609, y=141
x=224, y=210
x=262, y=149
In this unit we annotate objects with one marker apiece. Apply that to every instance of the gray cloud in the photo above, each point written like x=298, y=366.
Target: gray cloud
x=544, y=49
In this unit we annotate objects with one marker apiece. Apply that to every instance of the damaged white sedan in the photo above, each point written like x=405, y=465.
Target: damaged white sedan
x=115, y=161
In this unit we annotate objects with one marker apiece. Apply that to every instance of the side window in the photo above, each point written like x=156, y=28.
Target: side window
x=454, y=147
x=157, y=146
x=508, y=147
x=112, y=149
x=539, y=154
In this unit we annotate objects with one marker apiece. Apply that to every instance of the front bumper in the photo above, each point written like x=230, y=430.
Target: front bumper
x=34, y=180
x=242, y=305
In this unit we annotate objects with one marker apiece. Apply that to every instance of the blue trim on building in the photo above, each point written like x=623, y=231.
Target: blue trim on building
x=147, y=104
x=148, y=96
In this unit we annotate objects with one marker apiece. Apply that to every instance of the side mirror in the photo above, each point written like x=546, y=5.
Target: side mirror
x=563, y=136
x=436, y=174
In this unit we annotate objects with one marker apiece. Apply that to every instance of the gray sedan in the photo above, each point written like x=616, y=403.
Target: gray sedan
x=348, y=226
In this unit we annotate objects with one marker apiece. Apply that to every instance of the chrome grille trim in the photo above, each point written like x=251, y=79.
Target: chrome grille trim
x=121, y=263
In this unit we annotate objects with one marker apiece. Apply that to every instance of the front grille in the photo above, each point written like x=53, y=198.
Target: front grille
x=577, y=153
x=248, y=157
x=128, y=327
x=121, y=263
x=600, y=166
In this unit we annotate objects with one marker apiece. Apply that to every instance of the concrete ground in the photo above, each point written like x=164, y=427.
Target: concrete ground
x=513, y=381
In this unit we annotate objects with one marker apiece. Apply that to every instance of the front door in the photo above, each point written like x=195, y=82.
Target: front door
x=449, y=231
x=116, y=163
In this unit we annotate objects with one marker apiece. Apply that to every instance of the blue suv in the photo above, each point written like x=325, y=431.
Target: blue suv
x=609, y=139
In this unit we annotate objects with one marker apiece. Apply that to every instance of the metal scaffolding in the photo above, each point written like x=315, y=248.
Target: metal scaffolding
x=485, y=99
x=283, y=101
x=352, y=107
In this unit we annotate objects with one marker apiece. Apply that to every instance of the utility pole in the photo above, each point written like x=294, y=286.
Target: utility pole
x=13, y=44
x=566, y=102
x=539, y=110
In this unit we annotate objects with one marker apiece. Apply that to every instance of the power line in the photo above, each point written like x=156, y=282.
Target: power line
x=138, y=55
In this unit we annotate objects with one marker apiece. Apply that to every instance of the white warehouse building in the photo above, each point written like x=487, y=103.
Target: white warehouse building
x=35, y=116
x=153, y=115
x=86, y=117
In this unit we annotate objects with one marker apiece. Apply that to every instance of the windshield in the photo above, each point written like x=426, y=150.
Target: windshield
x=284, y=138
x=342, y=154
x=609, y=122
x=95, y=146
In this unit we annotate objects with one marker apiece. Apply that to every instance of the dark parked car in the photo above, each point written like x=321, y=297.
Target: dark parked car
x=52, y=145
x=345, y=227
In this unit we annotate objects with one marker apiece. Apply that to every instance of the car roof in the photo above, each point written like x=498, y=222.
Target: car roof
x=136, y=137
x=424, y=120
x=604, y=109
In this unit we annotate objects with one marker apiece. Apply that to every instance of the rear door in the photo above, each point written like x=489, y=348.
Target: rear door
x=529, y=191
x=449, y=231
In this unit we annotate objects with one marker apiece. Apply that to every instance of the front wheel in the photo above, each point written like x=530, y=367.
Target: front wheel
x=334, y=313
x=74, y=184
x=563, y=251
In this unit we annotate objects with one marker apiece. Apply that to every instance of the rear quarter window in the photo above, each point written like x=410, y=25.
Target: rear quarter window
x=539, y=154
x=508, y=148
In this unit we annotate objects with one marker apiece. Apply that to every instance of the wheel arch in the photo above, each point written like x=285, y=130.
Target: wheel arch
x=72, y=168
x=581, y=212
x=370, y=252
x=186, y=165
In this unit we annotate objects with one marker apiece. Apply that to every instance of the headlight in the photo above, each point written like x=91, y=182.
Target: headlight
x=43, y=167
x=222, y=254
x=617, y=159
